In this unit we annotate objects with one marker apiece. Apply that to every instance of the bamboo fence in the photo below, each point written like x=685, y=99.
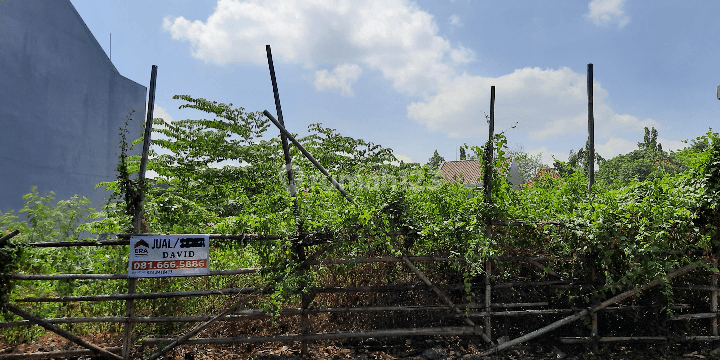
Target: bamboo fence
x=488, y=310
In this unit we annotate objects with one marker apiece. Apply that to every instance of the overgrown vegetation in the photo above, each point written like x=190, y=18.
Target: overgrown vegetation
x=227, y=175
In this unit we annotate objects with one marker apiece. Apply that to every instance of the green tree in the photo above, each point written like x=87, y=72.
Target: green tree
x=435, y=161
x=577, y=161
x=527, y=164
x=648, y=162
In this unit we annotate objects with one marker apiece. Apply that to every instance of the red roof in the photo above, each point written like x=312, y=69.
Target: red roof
x=543, y=173
x=469, y=170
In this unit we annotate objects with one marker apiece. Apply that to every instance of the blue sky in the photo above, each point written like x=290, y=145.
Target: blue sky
x=416, y=76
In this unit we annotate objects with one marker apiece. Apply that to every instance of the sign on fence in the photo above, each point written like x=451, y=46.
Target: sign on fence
x=168, y=255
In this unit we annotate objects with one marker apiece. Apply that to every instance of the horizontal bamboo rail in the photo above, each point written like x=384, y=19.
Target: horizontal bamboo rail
x=116, y=276
x=257, y=314
x=693, y=316
x=54, y=354
x=615, y=299
x=119, y=297
x=522, y=312
x=608, y=339
x=441, y=331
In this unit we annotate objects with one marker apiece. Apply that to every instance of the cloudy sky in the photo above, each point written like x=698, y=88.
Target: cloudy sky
x=415, y=76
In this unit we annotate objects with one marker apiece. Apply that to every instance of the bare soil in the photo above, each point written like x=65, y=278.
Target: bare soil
x=390, y=349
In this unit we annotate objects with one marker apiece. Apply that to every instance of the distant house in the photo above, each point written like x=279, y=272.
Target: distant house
x=61, y=104
x=470, y=171
x=541, y=174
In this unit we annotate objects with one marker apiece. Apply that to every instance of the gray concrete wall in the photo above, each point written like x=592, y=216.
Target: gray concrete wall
x=61, y=104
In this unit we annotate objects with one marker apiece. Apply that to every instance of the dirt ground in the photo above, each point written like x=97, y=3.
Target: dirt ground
x=417, y=349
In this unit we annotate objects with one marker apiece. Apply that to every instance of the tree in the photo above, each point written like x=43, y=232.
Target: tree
x=650, y=141
x=435, y=161
x=648, y=162
x=527, y=164
x=577, y=161
x=462, y=153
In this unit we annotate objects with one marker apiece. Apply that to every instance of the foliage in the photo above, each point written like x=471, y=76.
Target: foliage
x=227, y=175
x=435, y=161
x=528, y=164
x=648, y=162
x=577, y=161
x=47, y=221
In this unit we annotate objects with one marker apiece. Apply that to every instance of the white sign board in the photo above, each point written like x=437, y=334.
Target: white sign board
x=168, y=255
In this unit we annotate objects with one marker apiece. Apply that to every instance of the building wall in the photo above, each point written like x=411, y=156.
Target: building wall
x=61, y=104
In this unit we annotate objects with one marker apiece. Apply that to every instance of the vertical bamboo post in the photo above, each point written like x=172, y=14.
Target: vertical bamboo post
x=137, y=218
x=714, y=297
x=283, y=137
x=488, y=199
x=298, y=246
x=594, y=317
x=591, y=129
x=591, y=178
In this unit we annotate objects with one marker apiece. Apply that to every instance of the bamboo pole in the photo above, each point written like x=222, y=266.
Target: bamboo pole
x=196, y=330
x=162, y=295
x=591, y=129
x=583, y=340
x=487, y=185
x=129, y=312
x=5, y=238
x=485, y=314
x=379, y=259
x=543, y=268
x=711, y=315
x=258, y=313
x=714, y=298
x=117, y=276
x=585, y=312
x=98, y=350
x=488, y=299
x=308, y=155
x=54, y=354
x=444, y=297
x=442, y=331
x=247, y=290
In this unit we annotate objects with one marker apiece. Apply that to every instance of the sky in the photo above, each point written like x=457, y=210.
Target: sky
x=415, y=76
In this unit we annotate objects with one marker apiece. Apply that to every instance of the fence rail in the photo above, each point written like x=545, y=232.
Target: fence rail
x=491, y=309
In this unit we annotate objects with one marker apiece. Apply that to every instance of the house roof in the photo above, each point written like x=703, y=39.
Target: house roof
x=469, y=170
x=543, y=173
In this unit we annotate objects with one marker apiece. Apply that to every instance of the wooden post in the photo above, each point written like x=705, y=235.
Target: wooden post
x=283, y=137
x=591, y=129
x=298, y=245
x=137, y=219
x=594, y=327
x=488, y=298
x=487, y=183
x=714, y=297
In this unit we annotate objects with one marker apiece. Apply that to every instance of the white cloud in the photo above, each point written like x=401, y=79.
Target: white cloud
x=615, y=147
x=545, y=103
x=403, y=158
x=547, y=155
x=671, y=145
x=393, y=37
x=160, y=112
x=341, y=78
x=455, y=21
x=607, y=12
